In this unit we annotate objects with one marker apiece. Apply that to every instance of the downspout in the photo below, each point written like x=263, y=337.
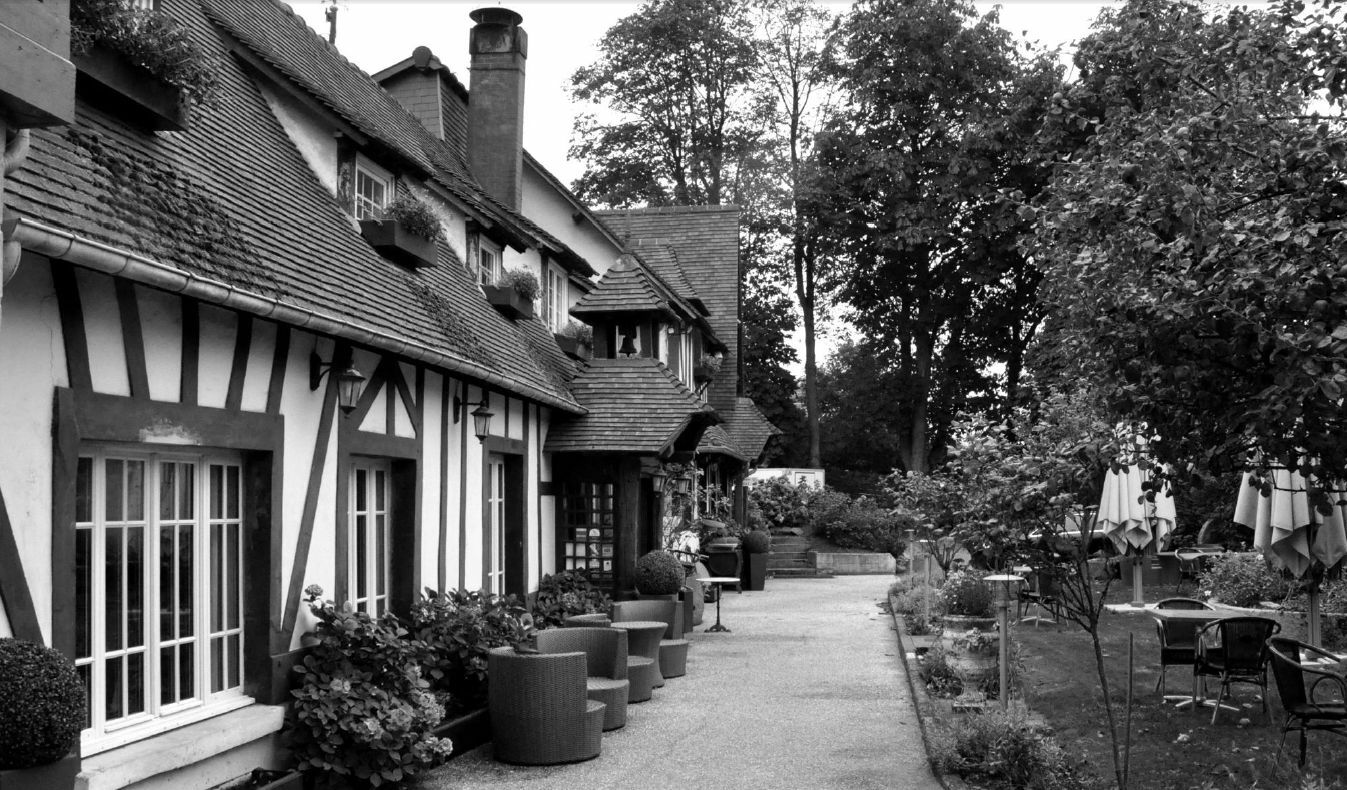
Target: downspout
x=62, y=245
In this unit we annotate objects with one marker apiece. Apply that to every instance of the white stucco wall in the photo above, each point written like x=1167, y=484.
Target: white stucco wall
x=551, y=211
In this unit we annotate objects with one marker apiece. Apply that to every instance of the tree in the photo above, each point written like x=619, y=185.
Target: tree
x=791, y=38
x=673, y=74
x=915, y=171
x=1192, y=239
x=862, y=427
x=767, y=318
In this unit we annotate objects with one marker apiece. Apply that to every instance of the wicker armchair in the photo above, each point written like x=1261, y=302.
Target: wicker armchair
x=588, y=621
x=673, y=649
x=540, y=714
x=605, y=652
x=642, y=657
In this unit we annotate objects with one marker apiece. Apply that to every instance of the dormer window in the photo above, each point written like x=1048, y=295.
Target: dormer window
x=488, y=262
x=373, y=189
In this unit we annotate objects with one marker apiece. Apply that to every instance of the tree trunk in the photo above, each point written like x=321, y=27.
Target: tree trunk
x=921, y=393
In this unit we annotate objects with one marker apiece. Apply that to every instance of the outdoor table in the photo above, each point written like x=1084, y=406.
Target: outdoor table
x=1201, y=617
x=643, y=640
x=718, y=581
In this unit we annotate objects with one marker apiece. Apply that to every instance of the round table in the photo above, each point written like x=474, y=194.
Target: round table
x=643, y=638
x=718, y=581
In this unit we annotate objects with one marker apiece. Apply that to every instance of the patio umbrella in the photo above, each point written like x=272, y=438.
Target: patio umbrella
x=1130, y=520
x=1293, y=534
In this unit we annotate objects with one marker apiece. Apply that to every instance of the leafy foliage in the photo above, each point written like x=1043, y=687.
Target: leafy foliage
x=1192, y=233
x=659, y=573
x=583, y=333
x=866, y=526
x=42, y=704
x=415, y=215
x=524, y=283
x=757, y=541
x=363, y=713
x=1002, y=747
x=1241, y=580
x=782, y=504
x=964, y=593
x=149, y=38
x=938, y=673
x=459, y=630
x=914, y=171
x=566, y=593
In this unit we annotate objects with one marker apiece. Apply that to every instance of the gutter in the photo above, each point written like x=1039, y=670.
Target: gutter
x=62, y=245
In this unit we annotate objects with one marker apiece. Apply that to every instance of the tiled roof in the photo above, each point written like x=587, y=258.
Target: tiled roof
x=233, y=200
x=748, y=428
x=715, y=441
x=706, y=240
x=625, y=288
x=663, y=259
x=635, y=405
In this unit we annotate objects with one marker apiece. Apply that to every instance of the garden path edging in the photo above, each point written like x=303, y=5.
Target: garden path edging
x=921, y=702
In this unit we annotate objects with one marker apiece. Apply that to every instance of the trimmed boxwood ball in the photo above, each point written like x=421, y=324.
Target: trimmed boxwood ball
x=41, y=704
x=659, y=573
x=757, y=542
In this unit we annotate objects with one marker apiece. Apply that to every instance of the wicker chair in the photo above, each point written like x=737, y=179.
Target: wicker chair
x=605, y=652
x=1178, y=646
x=1241, y=657
x=1303, y=711
x=588, y=621
x=673, y=649
x=540, y=714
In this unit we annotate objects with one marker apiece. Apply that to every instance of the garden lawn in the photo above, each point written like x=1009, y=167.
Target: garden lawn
x=1061, y=684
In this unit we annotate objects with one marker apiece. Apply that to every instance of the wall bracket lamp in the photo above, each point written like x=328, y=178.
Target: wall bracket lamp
x=350, y=382
x=481, y=416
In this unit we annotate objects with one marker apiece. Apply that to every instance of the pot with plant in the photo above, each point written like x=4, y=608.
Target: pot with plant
x=757, y=544
x=659, y=574
x=706, y=369
x=514, y=293
x=42, y=708
x=967, y=602
x=408, y=233
x=576, y=339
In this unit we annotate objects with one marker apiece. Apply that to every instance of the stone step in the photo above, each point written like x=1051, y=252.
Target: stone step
x=799, y=573
x=779, y=564
x=784, y=542
x=788, y=553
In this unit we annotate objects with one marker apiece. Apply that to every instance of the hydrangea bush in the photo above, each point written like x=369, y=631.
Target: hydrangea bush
x=964, y=593
x=567, y=593
x=1242, y=580
x=459, y=629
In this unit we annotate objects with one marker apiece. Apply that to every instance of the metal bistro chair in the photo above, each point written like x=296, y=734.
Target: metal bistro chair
x=1191, y=564
x=1178, y=645
x=1042, y=594
x=1241, y=657
x=1303, y=711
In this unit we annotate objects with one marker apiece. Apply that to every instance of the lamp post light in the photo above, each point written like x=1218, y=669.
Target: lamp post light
x=911, y=557
x=1002, y=584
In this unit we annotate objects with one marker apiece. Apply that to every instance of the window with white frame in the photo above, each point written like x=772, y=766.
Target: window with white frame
x=488, y=262
x=554, y=297
x=369, y=535
x=158, y=590
x=373, y=190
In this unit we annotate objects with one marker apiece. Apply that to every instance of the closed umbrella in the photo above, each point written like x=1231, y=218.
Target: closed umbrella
x=1293, y=534
x=1132, y=521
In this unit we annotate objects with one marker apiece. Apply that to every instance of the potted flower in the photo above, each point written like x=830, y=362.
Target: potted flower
x=42, y=710
x=706, y=369
x=139, y=62
x=514, y=293
x=576, y=339
x=756, y=545
x=967, y=602
x=409, y=232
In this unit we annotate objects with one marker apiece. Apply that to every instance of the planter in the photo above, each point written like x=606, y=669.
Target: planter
x=755, y=572
x=111, y=80
x=508, y=301
x=704, y=373
x=59, y=775
x=958, y=623
x=396, y=243
x=467, y=732
x=569, y=345
x=976, y=668
x=264, y=779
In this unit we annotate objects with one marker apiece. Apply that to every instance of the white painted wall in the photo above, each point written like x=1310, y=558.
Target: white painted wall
x=551, y=211
x=219, y=333
x=308, y=132
x=102, y=328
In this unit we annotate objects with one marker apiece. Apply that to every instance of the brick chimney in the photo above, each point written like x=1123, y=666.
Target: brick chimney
x=498, y=46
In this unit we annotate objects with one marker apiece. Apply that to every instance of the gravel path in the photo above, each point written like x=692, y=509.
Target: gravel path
x=807, y=691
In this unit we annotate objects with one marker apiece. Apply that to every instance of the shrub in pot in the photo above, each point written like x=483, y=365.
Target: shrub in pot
x=42, y=709
x=756, y=544
x=659, y=573
x=965, y=595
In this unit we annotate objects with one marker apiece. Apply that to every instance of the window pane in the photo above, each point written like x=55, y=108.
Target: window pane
x=112, y=608
x=217, y=658
x=168, y=560
x=216, y=589
x=360, y=496
x=232, y=578
x=168, y=476
x=380, y=538
x=112, y=696
x=168, y=665
x=83, y=584
x=186, y=675
x=135, y=586
x=112, y=505
x=380, y=489
x=187, y=492
x=135, y=683
x=361, y=555
x=185, y=579
x=232, y=498
x=135, y=490
x=86, y=677
x=216, y=491
x=84, y=490
x=234, y=643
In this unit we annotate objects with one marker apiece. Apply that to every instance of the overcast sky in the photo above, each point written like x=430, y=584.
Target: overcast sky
x=375, y=34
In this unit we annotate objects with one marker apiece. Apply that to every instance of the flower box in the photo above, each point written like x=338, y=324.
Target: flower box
x=508, y=301
x=467, y=731
x=109, y=78
x=396, y=243
x=703, y=373
x=59, y=775
x=263, y=779
x=571, y=346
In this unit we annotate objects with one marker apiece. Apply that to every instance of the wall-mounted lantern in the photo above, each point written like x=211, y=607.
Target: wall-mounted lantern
x=350, y=382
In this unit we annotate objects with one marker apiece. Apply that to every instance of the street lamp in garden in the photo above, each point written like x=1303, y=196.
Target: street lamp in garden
x=1003, y=586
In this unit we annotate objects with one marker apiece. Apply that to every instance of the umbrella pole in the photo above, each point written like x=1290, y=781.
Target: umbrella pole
x=1138, y=595
x=1315, y=638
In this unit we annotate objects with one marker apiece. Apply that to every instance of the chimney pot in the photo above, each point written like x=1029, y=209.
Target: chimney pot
x=499, y=49
x=495, y=15
x=422, y=56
